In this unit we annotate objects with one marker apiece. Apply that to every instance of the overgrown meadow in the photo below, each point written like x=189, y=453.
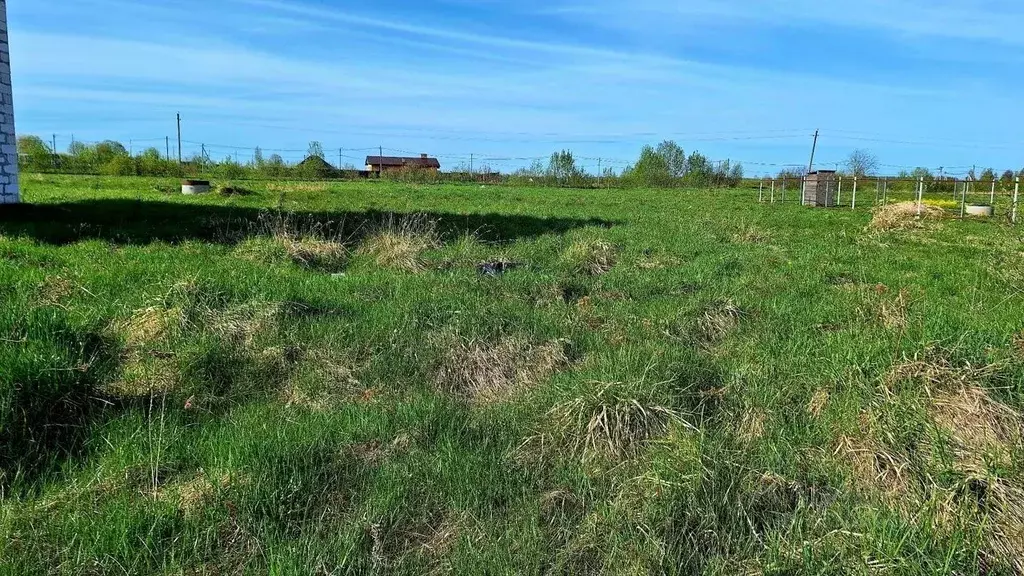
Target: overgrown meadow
x=378, y=378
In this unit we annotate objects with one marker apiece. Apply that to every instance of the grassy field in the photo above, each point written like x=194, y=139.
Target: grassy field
x=325, y=379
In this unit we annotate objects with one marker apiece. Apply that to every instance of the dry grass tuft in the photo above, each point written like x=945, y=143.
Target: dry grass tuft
x=150, y=325
x=933, y=369
x=316, y=253
x=400, y=243
x=322, y=382
x=594, y=257
x=610, y=421
x=483, y=372
x=892, y=312
x=903, y=216
x=298, y=187
x=876, y=469
x=818, y=403
x=750, y=234
x=53, y=291
x=718, y=319
x=306, y=251
x=657, y=262
x=146, y=374
x=751, y=426
x=192, y=495
x=979, y=424
x=1005, y=504
x=244, y=323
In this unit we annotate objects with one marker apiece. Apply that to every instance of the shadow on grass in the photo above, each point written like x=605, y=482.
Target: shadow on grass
x=128, y=221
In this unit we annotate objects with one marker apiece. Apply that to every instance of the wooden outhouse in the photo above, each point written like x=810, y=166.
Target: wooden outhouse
x=820, y=189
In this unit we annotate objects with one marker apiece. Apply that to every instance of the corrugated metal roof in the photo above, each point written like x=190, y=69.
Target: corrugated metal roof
x=400, y=161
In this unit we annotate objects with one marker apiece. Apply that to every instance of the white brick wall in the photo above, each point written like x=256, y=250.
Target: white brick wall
x=8, y=152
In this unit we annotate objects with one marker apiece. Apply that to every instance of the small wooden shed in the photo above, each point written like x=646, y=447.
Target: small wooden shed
x=820, y=189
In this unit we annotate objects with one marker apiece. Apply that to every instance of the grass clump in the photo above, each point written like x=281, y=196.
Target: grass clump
x=609, y=421
x=717, y=320
x=903, y=216
x=400, y=243
x=307, y=252
x=489, y=372
x=592, y=257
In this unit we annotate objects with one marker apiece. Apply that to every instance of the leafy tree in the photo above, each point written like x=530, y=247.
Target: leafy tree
x=1006, y=180
x=274, y=166
x=78, y=148
x=736, y=175
x=231, y=169
x=151, y=163
x=34, y=154
x=699, y=171
x=862, y=163
x=562, y=167
x=675, y=158
x=108, y=150
x=920, y=172
x=988, y=175
x=651, y=169
x=257, y=157
x=316, y=150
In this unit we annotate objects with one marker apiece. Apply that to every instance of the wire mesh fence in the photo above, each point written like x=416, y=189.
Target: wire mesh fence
x=956, y=197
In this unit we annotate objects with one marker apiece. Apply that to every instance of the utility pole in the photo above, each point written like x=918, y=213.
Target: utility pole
x=179, y=138
x=131, y=148
x=167, y=146
x=339, y=158
x=471, y=164
x=814, y=148
x=600, y=175
x=380, y=165
x=54, y=150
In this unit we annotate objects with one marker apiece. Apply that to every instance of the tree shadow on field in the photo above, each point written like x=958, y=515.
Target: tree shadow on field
x=139, y=222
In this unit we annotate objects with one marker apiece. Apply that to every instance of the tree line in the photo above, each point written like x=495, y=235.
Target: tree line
x=665, y=165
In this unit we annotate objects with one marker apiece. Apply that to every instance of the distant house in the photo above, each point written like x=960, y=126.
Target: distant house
x=391, y=163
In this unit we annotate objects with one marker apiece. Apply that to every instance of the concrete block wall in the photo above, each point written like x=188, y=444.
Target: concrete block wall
x=8, y=141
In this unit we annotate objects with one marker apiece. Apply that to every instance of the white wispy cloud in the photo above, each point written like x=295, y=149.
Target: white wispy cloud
x=986, y=20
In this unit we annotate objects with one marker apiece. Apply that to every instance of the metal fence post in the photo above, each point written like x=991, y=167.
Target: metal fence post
x=992, y=196
x=839, y=193
x=853, y=205
x=920, y=196
x=963, y=202
x=760, y=192
x=783, y=191
x=803, y=191
x=1016, y=194
x=885, y=191
x=773, y=190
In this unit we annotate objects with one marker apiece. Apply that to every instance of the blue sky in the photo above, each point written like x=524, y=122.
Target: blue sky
x=918, y=82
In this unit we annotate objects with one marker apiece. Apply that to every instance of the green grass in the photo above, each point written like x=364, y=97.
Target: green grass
x=316, y=378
